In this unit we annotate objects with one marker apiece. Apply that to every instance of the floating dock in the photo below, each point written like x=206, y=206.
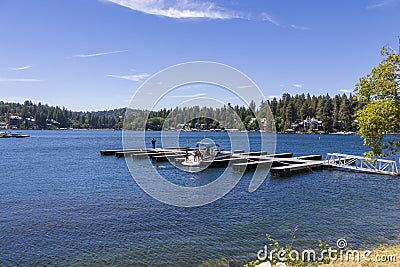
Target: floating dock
x=122, y=152
x=297, y=165
x=283, y=164
x=280, y=164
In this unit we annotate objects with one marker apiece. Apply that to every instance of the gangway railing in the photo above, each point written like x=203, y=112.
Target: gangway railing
x=358, y=163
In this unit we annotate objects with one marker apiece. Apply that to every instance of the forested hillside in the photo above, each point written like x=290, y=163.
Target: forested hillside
x=335, y=113
x=39, y=116
x=300, y=113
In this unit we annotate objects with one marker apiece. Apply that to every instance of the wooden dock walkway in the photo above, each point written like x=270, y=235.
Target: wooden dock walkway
x=282, y=164
x=298, y=166
x=128, y=152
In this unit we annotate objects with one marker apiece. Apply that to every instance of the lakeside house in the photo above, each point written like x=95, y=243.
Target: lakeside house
x=3, y=125
x=309, y=123
x=17, y=122
x=14, y=122
x=53, y=123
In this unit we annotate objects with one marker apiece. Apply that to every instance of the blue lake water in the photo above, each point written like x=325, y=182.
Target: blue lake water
x=64, y=204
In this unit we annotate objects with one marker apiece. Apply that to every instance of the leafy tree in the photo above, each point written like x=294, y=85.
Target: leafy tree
x=155, y=123
x=378, y=95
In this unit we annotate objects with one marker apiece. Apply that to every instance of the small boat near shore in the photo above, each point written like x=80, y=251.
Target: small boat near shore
x=13, y=135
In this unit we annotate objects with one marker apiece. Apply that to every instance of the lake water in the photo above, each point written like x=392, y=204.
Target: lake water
x=64, y=204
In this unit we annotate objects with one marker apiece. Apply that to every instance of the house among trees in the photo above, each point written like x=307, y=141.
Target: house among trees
x=39, y=116
x=52, y=123
x=300, y=113
x=3, y=125
x=14, y=122
x=309, y=124
x=30, y=123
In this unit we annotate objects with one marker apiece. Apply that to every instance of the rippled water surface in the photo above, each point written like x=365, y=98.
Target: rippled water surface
x=63, y=204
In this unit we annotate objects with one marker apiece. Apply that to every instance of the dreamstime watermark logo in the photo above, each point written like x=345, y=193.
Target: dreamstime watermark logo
x=328, y=255
x=157, y=88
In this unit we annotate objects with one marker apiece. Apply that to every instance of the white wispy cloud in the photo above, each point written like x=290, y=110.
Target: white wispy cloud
x=188, y=96
x=21, y=68
x=134, y=77
x=195, y=9
x=297, y=27
x=298, y=85
x=346, y=90
x=18, y=80
x=269, y=18
x=178, y=9
x=380, y=4
x=101, y=53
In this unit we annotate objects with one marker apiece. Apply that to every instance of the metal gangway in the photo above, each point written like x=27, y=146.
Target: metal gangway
x=362, y=164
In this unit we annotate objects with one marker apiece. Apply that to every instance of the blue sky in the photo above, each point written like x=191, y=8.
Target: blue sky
x=94, y=54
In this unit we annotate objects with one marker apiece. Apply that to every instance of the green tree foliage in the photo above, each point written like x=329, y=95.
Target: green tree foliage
x=379, y=100
x=155, y=123
x=344, y=113
x=48, y=117
x=336, y=114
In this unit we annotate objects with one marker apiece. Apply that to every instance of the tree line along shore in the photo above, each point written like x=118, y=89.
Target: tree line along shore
x=300, y=113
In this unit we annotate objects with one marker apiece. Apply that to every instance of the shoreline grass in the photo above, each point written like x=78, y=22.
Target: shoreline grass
x=383, y=256
x=388, y=251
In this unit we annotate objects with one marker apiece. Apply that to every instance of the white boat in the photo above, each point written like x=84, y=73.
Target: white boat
x=204, y=155
x=10, y=135
x=190, y=161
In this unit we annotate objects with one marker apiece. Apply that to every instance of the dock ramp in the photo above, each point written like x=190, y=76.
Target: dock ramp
x=362, y=164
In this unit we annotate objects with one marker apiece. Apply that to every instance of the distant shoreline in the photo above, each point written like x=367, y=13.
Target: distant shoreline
x=193, y=131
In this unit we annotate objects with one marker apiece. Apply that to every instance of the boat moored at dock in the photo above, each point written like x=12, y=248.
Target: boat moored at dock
x=205, y=153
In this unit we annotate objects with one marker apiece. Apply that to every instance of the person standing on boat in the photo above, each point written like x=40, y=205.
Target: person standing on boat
x=197, y=155
x=153, y=142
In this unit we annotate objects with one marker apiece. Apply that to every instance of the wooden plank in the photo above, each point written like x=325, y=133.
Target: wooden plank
x=121, y=154
x=166, y=157
x=113, y=151
x=255, y=153
x=310, y=157
x=252, y=165
x=296, y=168
x=142, y=155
